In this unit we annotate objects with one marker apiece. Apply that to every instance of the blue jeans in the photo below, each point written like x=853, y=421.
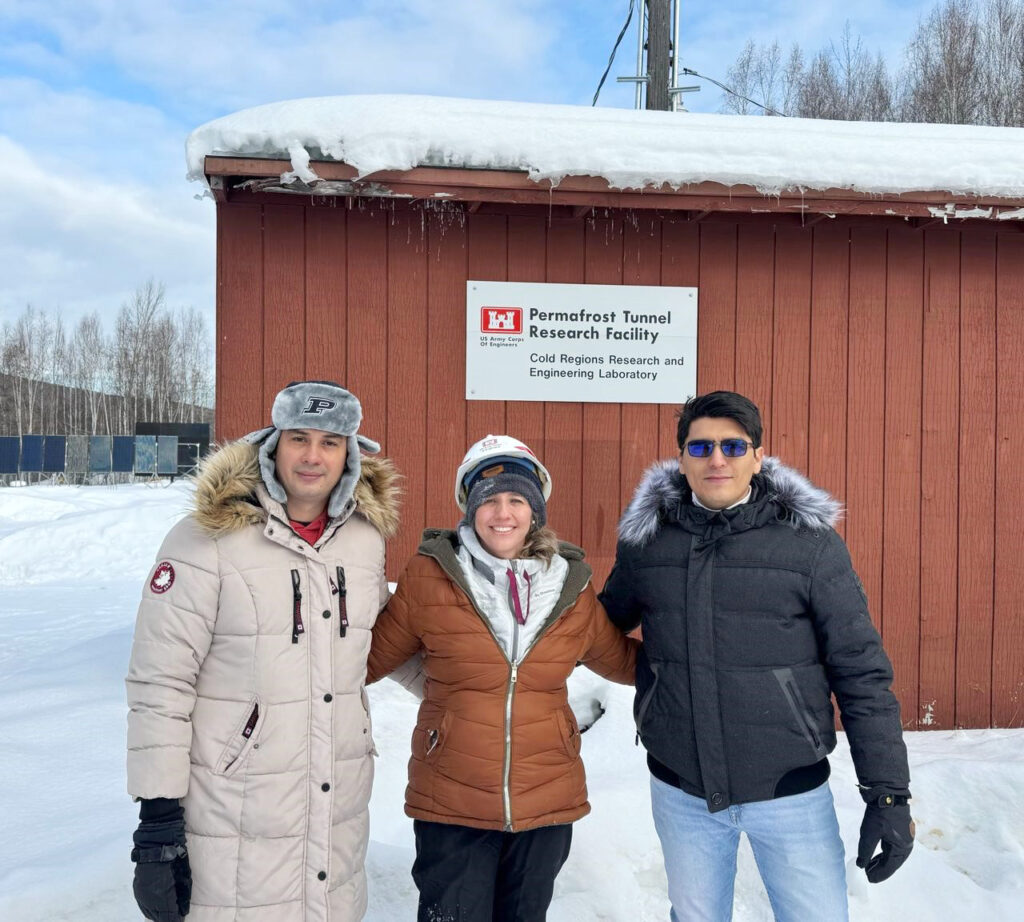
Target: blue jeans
x=796, y=845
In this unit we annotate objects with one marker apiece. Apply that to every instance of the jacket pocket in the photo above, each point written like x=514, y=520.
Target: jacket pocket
x=431, y=737
x=798, y=706
x=244, y=736
x=644, y=703
x=569, y=731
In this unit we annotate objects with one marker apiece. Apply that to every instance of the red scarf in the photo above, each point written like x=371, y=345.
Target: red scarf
x=310, y=532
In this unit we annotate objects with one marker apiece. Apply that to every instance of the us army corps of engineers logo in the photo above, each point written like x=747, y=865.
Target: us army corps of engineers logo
x=501, y=327
x=507, y=320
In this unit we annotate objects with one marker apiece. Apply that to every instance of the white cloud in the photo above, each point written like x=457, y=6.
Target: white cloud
x=92, y=192
x=224, y=55
x=80, y=242
x=93, y=157
x=89, y=132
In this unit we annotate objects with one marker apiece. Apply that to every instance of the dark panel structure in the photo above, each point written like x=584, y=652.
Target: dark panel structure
x=31, y=454
x=123, y=455
x=10, y=454
x=54, y=451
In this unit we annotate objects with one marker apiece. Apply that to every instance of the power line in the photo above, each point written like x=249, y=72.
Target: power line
x=611, y=57
x=683, y=70
x=760, y=105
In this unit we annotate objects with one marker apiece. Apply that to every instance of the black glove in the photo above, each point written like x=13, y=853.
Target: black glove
x=163, y=879
x=886, y=820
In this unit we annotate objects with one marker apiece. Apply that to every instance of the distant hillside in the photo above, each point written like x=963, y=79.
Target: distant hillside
x=58, y=409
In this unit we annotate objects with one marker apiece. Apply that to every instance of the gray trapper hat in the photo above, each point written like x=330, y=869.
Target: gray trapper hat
x=320, y=405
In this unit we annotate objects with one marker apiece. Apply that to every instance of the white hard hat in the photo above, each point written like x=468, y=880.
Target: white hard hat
x=492, y=448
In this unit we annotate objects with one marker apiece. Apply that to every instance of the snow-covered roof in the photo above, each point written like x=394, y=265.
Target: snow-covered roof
x=629, y=149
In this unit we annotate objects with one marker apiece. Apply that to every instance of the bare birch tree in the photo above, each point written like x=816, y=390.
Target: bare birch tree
x=761, y=74
x=155, y=366
x=964, y=64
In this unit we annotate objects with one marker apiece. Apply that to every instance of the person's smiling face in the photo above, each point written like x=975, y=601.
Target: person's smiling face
x=502, y=523
x=718, y=481
x=309, y=463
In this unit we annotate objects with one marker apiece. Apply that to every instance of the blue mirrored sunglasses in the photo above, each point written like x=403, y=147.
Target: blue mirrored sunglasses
x=731, y=448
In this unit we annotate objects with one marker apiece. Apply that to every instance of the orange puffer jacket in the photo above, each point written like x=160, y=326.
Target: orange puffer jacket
x=496, y=745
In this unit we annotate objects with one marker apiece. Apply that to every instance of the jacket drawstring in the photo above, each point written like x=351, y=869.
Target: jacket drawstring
x=342, y=604
x=517, y=608
x=297, y=627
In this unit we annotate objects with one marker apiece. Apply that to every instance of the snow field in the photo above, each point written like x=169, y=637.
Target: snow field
x=72, y=562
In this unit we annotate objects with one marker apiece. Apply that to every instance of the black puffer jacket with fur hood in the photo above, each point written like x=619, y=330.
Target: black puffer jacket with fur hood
x=751, y=617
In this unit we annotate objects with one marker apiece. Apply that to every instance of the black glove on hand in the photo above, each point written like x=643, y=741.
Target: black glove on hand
x=890, y=824
x=163, y=879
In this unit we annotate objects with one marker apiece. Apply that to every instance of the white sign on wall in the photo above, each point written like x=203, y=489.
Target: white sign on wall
x=588, y=343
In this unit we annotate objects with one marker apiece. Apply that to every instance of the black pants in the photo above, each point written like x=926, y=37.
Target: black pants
x=482, y=875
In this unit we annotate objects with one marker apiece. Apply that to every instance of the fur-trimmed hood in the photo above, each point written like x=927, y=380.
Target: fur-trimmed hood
x=228, y=486
x=663, y=488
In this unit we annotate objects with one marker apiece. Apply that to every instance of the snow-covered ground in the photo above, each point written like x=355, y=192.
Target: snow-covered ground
x=72, y=561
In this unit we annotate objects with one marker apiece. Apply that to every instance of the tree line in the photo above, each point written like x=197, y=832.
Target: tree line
x=964, y=65
x=155, y=365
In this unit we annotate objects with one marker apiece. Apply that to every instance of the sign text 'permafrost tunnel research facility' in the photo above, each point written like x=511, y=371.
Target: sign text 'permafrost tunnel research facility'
x=570, y=275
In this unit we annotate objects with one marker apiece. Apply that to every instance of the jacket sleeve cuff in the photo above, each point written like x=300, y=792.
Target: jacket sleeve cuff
x=878, y=793
x=160, y=809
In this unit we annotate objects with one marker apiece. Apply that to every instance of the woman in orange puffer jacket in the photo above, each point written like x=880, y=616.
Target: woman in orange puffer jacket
x=501, y=612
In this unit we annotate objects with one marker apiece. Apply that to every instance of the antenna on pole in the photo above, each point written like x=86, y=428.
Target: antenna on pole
x=657, y=34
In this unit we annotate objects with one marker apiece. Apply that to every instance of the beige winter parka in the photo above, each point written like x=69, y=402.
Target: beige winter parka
x=247, y=702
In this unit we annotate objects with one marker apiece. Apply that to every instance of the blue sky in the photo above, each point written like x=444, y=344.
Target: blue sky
x=97, y=97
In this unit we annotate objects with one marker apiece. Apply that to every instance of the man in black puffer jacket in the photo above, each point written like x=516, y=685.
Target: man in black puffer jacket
x=752, y=617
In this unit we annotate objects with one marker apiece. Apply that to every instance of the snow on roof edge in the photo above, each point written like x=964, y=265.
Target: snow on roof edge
x=630, y=149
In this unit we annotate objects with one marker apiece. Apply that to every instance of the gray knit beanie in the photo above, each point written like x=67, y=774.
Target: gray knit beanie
x=505, y=475
x=321, y=405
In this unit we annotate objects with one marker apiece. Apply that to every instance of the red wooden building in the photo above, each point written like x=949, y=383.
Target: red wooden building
x=881, y=334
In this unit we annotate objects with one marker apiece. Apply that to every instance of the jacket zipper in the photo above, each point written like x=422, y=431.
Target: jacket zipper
x=512, y=679
x=795, y=698
x=505, y=793
x=506, y=772
x=342, y=601
x=802, y=714
x=250, y=724
x=297, y=627
x=247, y=730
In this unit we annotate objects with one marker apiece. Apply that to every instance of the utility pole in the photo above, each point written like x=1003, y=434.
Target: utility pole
x=658, y=34
x=659, y=40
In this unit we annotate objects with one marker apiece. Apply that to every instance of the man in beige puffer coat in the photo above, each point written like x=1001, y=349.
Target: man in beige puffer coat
x=249, y=739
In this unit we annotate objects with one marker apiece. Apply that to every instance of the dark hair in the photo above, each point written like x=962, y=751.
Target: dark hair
x=721, y=404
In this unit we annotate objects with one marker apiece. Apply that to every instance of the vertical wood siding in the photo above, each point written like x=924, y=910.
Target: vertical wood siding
x=886, y=361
